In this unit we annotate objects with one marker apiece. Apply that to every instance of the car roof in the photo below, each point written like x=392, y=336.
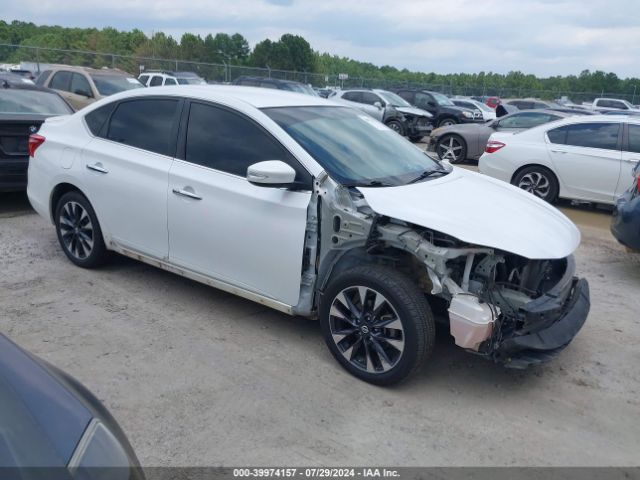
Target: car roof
x=254, y=96
x=89, y=70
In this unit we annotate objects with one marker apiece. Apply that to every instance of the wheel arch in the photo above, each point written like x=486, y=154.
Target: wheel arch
x=539, y=165
x=58, y=191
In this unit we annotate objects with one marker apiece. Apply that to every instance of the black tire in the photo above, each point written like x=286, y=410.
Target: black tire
x=79, y=232
x=403, y=318
x=396, y=126
x=538, y=180
x=447, y=121
x=452, y=148
x=416, y=138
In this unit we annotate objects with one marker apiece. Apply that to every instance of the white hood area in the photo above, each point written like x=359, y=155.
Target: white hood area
x=480, y=210
x=414, y=111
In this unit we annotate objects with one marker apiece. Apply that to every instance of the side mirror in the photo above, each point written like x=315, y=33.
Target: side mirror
x=377, y=104
x=271, y=173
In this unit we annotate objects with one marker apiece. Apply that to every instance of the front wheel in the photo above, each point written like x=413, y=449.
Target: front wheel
x=396, y=126
x=446, y=122
x=539, y=181
x=377, y=324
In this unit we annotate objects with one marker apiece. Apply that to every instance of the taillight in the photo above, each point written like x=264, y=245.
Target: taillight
x=638, y=180
x=493, y=146
x=35, y=141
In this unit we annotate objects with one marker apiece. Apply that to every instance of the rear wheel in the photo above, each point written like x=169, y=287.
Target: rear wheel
x=452, y=148
x=79, y=232
x=445, y=122
x=539, y=181
x=377, y=324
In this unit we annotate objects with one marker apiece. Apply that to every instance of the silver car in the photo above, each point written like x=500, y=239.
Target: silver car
x=390, y=109
x=457, y=143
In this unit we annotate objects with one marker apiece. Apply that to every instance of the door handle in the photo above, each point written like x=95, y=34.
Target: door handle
x=187, y=193
x=98, y=168
x=559, y=151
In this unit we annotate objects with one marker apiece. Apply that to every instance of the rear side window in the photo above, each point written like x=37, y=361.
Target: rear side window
x=60, y=81
x=226, y=141
x=170, y=81
x=156, y=81
x=146, y=124
x=591, y=135
x=353, y=96
x=95, y=120
x=634, y=138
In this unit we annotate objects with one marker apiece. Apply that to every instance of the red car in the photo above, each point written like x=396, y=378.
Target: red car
x=493, y=102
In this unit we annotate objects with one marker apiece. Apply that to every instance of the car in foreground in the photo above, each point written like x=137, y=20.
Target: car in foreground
x=52, y=426
x=318, y=210
x=584, y=158
x=159, y=78
x=458, y=143
x=485, y=110
x=82, y=86
x=23, y=108
x=625, y=222
x=390, y=109
x=444, y=111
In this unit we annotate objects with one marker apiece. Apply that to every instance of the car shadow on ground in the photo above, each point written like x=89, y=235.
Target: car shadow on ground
x=14, y=203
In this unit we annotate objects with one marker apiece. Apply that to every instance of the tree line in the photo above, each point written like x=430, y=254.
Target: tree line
x=289, y=52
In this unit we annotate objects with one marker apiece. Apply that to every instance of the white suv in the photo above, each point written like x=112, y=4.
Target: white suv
x=159, y=79
x=314, y=209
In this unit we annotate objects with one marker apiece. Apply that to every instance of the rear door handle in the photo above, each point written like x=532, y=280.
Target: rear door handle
x=187, y=193
x=97, y=168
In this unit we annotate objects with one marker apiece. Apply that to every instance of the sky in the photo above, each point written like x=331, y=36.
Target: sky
x=543, y=37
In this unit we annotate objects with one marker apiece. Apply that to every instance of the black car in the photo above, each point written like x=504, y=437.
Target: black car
x=625, y=224
x=23, y=108
x=444, y=111
x=276, y=84
x=52, y=427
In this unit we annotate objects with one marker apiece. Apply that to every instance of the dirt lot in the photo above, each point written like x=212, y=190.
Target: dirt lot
x=199, y=377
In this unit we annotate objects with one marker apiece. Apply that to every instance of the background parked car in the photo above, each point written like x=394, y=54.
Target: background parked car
x=587, y=158
x=533, y=104
x=444, y=111
x=23, y=108
x=153, y=78
x=276, y=84
x=458, y=143
x=491, y=102
x=53, y=427
x=625, y=223
x=81, y=86
x=606, y=104
x=485, y=110
x=390, y=109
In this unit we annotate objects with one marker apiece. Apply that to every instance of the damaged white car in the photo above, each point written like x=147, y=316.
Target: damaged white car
x=314, y=209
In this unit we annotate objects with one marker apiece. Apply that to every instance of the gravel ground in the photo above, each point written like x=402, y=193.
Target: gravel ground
x=199, y=377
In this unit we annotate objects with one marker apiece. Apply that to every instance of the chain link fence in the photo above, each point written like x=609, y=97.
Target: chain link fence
x=37, y=59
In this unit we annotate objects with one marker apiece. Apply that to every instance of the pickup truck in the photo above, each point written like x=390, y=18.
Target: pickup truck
x=608, y=104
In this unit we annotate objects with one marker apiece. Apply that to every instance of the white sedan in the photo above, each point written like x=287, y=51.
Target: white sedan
x=587, y=158
x=314, y=209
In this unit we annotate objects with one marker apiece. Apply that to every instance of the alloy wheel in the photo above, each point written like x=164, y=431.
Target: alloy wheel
x=366, y=329
x=76, y=230
x=536, y=183
x=450, y=149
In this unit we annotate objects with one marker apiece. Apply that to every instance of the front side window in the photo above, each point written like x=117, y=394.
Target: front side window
x=146, y=124
x=393, y=99
x=43, y=77
x=352, y=147
x=220, y=139
x=143, y=79
x=60, y=81
x=371, y=98
x=353, y=97
x=170, y=81
x=442, y=100
x=591, y=135
x=422, y=100
x=80, y=85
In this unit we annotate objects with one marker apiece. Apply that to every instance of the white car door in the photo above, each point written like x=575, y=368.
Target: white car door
x=224, y=227
x=630, y=158
x=126, y=172
x=587, y=158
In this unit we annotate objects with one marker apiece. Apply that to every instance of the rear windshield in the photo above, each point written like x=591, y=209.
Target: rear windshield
x=110, y=84
x=26, y=102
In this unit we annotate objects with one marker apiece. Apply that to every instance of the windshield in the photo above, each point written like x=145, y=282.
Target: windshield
x=393, y=99
x=442, y=99
x=110, y=84
x=26, y=102
x=355, y=149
